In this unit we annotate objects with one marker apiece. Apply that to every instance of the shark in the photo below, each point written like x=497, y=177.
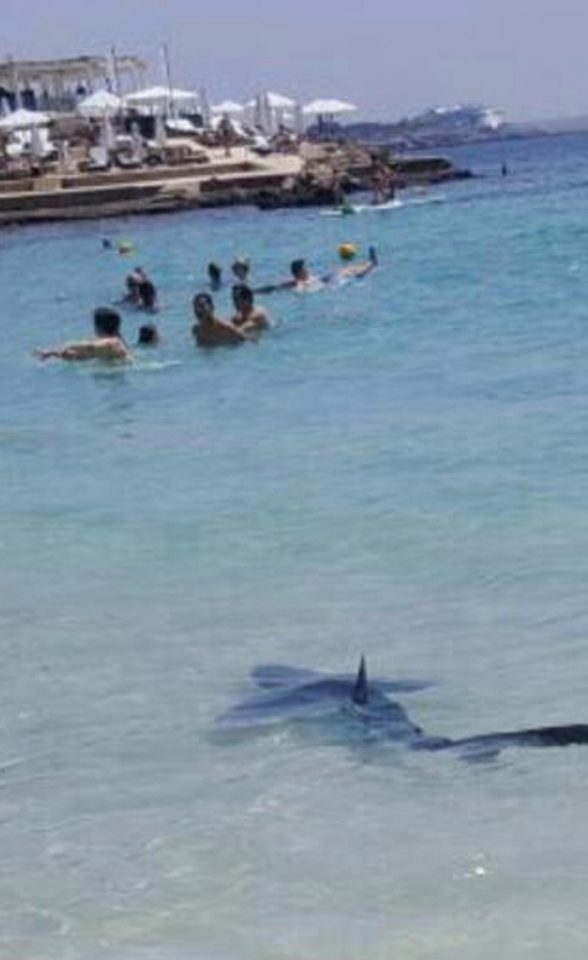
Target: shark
x=287, y=694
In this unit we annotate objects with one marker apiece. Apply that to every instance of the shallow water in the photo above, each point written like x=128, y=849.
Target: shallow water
x=399, y=469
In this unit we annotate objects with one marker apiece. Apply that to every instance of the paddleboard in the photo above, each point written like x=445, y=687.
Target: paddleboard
x=383, y=207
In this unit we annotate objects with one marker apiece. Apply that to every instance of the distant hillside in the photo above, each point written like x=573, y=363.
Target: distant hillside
x=441, y=127
x=565, y=125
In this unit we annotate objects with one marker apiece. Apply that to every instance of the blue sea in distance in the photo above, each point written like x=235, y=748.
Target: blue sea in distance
x=400, y=468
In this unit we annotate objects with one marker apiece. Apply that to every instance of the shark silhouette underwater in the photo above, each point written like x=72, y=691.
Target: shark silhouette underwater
x=289, y=694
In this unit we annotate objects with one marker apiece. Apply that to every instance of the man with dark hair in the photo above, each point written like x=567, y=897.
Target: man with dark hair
x=210, y=330
x=148, y=336
x=303, y=281
x=215, y=275
x=248, y=317
x=108, y=344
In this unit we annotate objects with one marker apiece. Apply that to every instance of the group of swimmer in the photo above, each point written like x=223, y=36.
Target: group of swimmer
x=248, y=322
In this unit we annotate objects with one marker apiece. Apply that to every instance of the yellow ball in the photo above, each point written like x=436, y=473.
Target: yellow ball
x=347, y=251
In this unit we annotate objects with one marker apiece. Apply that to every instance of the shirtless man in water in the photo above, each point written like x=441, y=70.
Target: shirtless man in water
x=248, y=317
x=108, y=343
x=303, y=281
x=210, y=330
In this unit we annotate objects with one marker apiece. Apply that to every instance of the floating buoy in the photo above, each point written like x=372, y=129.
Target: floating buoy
x=347, y=251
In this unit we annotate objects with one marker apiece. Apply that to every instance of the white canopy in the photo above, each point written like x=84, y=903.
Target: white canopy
x=227, y=106
x=158, y=96
x=24, y=120
x=276, y=101
x=180, y=125
x=329, y=107
x=99, y=103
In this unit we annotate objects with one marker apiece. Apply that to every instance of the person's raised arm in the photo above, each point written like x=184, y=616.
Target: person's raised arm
x=236, y=331
x=275, y=287
x=71, y=351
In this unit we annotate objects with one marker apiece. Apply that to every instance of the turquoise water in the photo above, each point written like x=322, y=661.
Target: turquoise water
x=399, y=468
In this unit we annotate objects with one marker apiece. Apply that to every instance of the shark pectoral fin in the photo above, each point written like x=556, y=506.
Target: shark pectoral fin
x=359, y=694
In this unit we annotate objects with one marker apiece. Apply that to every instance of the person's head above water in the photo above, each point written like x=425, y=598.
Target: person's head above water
x=241, y=267
x=148, y=335
x=203, y=306
x=215, y=272
x=299, y=270
x=242, y=296
x=106, y=322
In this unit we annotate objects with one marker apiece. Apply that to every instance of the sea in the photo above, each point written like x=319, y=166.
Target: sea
x=398, y=469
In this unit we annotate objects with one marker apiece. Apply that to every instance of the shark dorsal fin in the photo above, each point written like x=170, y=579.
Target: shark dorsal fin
x=360, y=689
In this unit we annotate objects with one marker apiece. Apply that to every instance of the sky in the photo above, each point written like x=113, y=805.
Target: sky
x=390, y=57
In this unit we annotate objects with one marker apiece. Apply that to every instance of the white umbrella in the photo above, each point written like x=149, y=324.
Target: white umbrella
x=100, y=103
x=159, y=96
x=24, y=120
x=228, y=106
x=276, y=101
x=329, y=108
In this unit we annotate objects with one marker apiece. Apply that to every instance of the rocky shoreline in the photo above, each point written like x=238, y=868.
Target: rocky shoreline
x=320, y=175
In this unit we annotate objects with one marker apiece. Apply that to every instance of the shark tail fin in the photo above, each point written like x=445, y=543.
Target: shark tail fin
x=360, y=689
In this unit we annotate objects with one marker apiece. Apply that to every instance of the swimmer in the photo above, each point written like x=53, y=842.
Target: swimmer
x=248, y=317
x=346, y=207
x=301, y=280
x=106, y=243
x=241, y=267
x=141, y=291
x=147, y=295
x=359, y=270
x=210, y=330
x=215, y=275
x=132, y=281
x=108, y=344
x=148, y=336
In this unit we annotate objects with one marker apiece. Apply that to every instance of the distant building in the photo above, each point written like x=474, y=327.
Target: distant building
x=57, y=85
x=470, y=118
